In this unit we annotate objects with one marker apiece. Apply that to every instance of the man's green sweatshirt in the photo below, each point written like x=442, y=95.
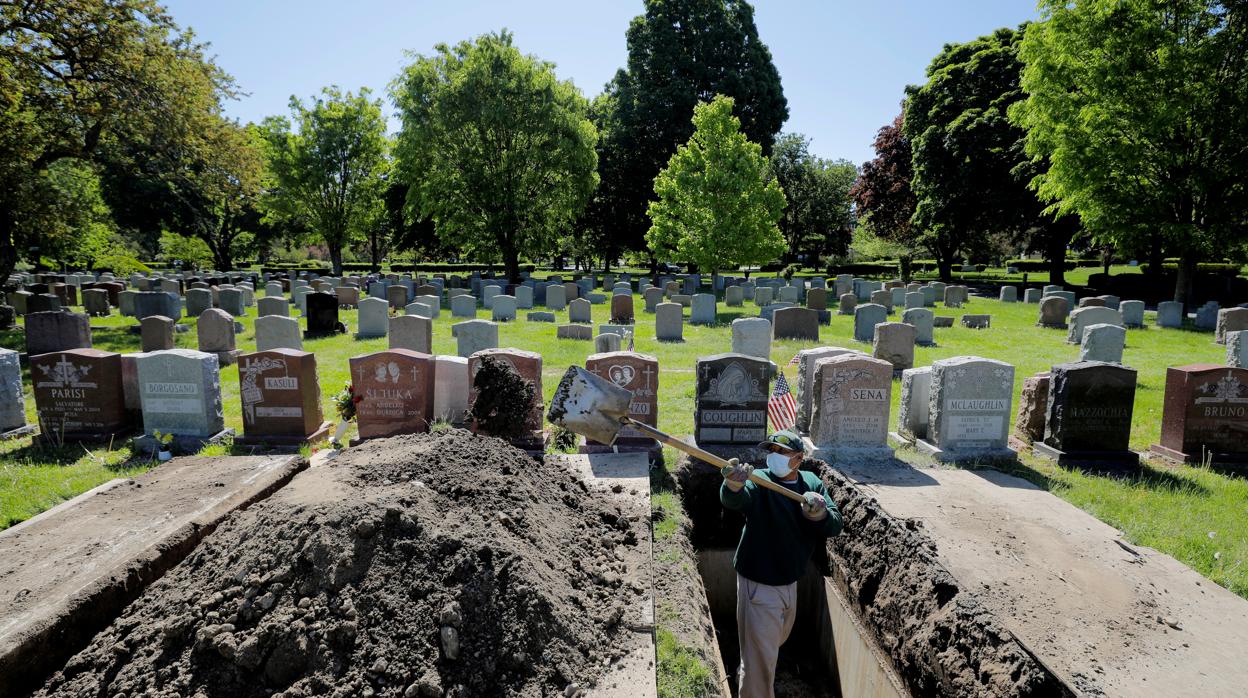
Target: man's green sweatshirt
x=778, y=540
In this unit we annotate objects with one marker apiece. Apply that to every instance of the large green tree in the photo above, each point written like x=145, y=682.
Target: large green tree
x=971, y=170
x=498, y=151
x=1141, y=106
x=817, y=218
x=75, y=76
x=883, y=199
x=329, y=169
x=718, y=203
x=680, y=53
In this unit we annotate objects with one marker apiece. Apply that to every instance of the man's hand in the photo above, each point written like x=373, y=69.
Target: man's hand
x=815, y=508
x=736, y=474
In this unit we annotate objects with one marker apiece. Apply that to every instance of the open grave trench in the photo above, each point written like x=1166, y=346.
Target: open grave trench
x=877, y=613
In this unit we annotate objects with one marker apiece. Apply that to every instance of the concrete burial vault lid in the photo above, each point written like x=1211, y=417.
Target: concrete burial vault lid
x=67, y=572
x=1079, y=597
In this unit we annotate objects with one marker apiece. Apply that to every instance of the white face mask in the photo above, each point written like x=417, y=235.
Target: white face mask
x=778, y=464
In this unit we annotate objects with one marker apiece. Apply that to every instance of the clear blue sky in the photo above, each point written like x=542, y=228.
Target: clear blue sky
x=843, y=64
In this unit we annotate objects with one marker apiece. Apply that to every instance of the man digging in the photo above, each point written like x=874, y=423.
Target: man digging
x=776, y=544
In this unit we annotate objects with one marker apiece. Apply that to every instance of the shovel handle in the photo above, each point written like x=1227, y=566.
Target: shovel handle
x=710, y=458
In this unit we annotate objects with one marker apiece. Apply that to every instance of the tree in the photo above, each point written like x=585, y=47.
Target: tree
x=718, y=205
x=1142, y=109
x=498, y=151
x=680, y=53
x=883, y=197
x=817, y=218
x=329, y=169
x=75, y=76
x=971, y=171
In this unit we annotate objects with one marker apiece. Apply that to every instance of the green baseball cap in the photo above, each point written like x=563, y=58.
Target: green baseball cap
x=786, y=439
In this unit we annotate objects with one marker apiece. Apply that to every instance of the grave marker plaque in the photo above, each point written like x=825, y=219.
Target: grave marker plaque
x=732, y=392
x=1088, y=416
x=1204, y=414
x=78, y=395
x=396, y=390
x=850, y=409
x=969, y=410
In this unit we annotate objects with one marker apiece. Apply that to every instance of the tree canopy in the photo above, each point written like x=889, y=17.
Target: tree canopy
x=882, y=195
x=817, y=217
x=330, y=169
x=680, y=53
x=499, y=152
x=1142, y=109
x=718, y=204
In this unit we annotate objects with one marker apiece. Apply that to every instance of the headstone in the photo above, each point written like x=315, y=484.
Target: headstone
x=348, y=296
x=576, y=331
x=796, y=323
x=752, y=336
x=929, y=296
x=622, y=309
x=125, y=302
x=1091, y=302
x=850, y=410
x=231, y=301
x=897, y=296
x=450, y=389
x=923, y=321
x=1205, y=408
x=180, y=394
x=197, y=301
x=395, y=388
x=1053, y=312
x=374, y=318
x=1170, y=314
x=1032, y=295
x=866, y=317
x=1103, y=342
x=912, y=414
x=95, y=302
x=464, y=306
x=883, y=297
x=669, y=322
x=277, y=332
x=272, y=289
x=1009, y=294
x=817, y=299
x=272, y=305
x=322, y=315
x=806, y=359
x=215, y=331
x=487, y=295
x=540, y=316
x=734, y=296
x=556, y=297
x=848, y=304
x=970, y=410
x=1088, y=420
x=652, y=296
x=683, y=299
x=977, y=322
x=281, y=398
x=43, y=303
x=524, y=297
x=606, y=342
x=1084, y=317
x=503, y=308
x=411, y=332
x=1033, y=407
x=914, y=299
x=473, y=336
x=763, y=295
x=78, y=395
x=1230, y=320
x=1237, y=348
x=732, y=393
x=157, y=303
x=942, y=321
x=396, y=296
x=156, y=333
x=12, y=401
x=8, y=317
x=580, y=310
x=639, y=374
x=894, y=343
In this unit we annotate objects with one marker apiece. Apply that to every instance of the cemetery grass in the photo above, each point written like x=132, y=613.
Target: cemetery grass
x=1173, y=509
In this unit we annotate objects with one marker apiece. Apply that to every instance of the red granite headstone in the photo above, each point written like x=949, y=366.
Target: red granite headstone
x=396, y=387
x=529, y=365
x=1205, y=414
x=281, y=397
x=78, y=395
x=638, y=373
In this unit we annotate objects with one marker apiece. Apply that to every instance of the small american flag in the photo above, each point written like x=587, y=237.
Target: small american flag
x=781, y=408
x=793, y=361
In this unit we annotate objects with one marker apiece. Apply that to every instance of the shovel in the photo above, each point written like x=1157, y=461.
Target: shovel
x=597, y=409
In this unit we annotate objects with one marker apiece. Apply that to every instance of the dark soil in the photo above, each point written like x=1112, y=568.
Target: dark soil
x=419, y=565
x=941, y=640
x=504, y=399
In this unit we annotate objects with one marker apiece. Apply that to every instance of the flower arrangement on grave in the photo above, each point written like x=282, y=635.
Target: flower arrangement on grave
x=345, y=402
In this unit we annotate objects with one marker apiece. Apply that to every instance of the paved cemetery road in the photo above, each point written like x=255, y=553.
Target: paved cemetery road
x=1107, y=617
x=67, y=572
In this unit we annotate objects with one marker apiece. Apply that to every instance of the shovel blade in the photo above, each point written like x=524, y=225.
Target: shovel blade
x=589, y=405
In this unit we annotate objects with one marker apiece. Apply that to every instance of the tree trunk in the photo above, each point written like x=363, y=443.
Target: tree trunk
x=1185, y=280
x=1055, y=255
x=906, y=262
x=511, y=264
x=944, y=265
x=335, y=258
x=8, y=253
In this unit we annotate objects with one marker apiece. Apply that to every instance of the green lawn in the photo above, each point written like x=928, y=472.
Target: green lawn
x=1172, y=509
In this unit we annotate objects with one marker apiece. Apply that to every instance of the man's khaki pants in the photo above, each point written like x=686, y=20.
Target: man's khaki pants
x=764, y=618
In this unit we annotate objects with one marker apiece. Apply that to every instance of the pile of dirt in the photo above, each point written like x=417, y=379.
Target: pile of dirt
x=941, y=639
x=421, y=565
